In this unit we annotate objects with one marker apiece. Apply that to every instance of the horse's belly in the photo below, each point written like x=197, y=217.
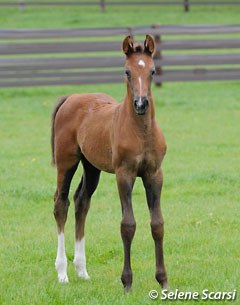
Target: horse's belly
x=103, y=166
x=101, y=160
x=96, y=147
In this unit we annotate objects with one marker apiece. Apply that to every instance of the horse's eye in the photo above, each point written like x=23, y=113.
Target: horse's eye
x=128, y=73
x=153, y=72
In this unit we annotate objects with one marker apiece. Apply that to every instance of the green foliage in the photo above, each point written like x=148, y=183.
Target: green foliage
x=200, y=199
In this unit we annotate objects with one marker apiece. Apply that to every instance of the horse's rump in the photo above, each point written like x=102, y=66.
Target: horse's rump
x=86, y=118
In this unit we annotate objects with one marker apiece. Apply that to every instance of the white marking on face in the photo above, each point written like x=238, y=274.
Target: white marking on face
x=141, y=63
x=61, y=260
x=140, y=88
x=80, y=259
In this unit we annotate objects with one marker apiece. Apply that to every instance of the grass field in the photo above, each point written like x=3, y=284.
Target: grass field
x=200, y=200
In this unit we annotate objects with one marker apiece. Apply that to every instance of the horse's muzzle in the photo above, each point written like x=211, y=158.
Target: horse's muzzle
x=141, y=104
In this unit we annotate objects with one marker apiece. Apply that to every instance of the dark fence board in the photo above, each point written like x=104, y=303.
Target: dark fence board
x=199, y=75
x=78, y=47
x=62, y=33
x=93, y=3
x=63, y=81
x=188, y=30
x=59, y=47
x=60, y=74
x=229, y=3
x=81, y=78
x=121, y=31
x=49, y=3
x=198, y=59
x=108, y=62
x=59, y=63
x=199, y=44
x=115, y=3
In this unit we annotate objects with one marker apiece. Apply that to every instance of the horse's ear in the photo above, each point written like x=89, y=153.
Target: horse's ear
x=127, y=45
x=149, y=45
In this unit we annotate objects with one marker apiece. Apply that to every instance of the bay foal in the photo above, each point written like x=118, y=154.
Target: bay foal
x=116, y=138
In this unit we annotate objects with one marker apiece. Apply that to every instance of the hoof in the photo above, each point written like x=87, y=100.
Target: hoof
x=83, y=274
x=126, y=279
x=61, y=267
x=161, y=277
x=63, y=279
x=127, y=289
x=80, y=267
x=165, y=285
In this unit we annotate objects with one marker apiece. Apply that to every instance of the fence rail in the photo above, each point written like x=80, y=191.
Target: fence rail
x=120, y=31
x=78, y=47
x=103, y=4
x=37, y=63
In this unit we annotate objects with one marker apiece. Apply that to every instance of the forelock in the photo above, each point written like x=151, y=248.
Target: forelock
x=137, y=48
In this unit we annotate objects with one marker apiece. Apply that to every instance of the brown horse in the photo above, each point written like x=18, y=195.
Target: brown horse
x=116, y=138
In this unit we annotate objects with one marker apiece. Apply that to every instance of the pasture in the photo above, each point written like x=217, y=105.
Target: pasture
x=200, y=199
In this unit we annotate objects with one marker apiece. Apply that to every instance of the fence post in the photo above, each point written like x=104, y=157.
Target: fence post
x=102, y=5
x=21, y=5
x=157, y=55
x=186, y=5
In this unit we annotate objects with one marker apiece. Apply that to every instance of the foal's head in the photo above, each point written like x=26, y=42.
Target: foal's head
x=139, y=70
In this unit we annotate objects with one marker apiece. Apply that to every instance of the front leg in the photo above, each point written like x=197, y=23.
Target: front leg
x=125, y=182
x=153, y=187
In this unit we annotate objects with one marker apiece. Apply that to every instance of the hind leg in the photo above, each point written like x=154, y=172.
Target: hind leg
x=65, y=172
x=82, y=200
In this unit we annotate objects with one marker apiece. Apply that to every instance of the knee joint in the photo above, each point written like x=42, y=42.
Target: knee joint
x=81, y=210
x=60, y=208
x=157, y=229
x=82, y=206
x=128, y=229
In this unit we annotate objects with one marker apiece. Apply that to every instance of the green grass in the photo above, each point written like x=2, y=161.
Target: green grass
x=200, y=199
x=71, y=17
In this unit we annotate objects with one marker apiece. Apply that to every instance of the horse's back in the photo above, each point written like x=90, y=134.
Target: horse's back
x=85, y=103
x=79, y=107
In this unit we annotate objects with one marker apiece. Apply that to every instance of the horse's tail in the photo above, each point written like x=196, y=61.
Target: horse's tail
x=55, y=110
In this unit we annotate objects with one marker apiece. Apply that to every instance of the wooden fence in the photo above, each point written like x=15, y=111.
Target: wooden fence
x=188, y=3
x=103, y=3
x=89, y=56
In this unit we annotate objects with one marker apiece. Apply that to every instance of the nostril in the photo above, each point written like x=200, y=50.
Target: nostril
x=145, y=100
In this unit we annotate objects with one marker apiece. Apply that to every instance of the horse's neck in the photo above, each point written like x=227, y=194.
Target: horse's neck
x=143, y=122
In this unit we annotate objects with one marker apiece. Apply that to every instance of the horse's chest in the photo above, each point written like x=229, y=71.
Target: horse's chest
x=140, y=154
x=147, y=162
